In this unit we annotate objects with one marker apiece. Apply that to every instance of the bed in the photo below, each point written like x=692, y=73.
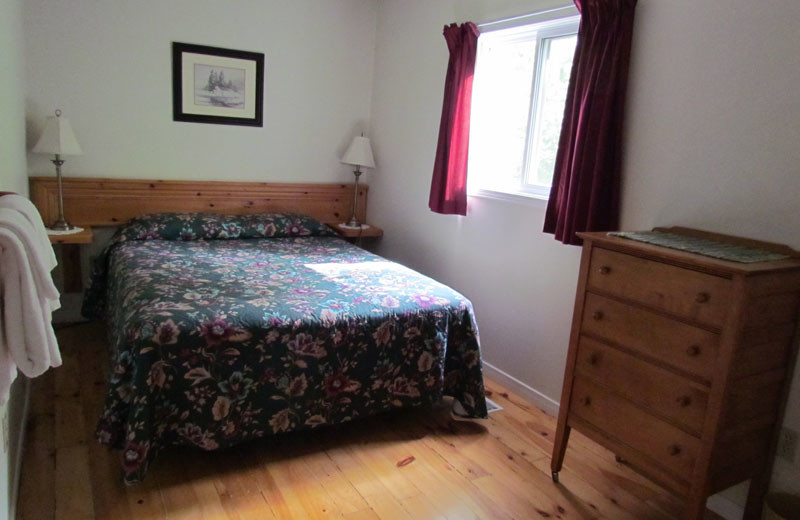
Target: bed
x=226, y=328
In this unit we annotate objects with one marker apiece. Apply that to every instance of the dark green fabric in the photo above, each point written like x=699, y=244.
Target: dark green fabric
x=219, y=341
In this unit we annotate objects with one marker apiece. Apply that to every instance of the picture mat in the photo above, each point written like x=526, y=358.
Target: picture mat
x=235, y=77
x=188, y=62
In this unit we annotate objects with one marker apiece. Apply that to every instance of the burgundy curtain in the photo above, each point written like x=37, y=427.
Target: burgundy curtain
x=449, y=183
x=586, y=179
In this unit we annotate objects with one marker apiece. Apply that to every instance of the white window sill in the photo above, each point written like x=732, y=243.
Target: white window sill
x=516, y=198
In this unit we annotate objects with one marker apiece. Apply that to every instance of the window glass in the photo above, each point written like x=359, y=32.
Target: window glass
x=519, y=91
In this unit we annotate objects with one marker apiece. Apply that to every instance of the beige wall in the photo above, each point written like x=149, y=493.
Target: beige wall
x=12, y=99
x=107, y=66
x=12, y=178
x=713, y=141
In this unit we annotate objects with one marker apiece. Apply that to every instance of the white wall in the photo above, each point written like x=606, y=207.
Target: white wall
x=521, y=281
x=12, y=100
x=713, y=141
x=107, y=66
x=12, y=178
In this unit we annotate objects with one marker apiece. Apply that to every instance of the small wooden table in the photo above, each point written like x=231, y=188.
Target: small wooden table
x=83, y=237
x=355, y=235
x=71, y=257
x=370, y=232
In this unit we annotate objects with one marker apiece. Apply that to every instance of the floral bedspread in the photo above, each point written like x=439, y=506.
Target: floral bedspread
x=220, y=339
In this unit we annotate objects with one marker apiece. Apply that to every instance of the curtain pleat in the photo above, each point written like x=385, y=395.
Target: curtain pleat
x=586, y=179
x=449, y=183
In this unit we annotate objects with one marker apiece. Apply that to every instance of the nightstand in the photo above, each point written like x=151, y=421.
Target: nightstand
x=370, y=232
x=356, y=235
x=83, y=237
x=71, y=257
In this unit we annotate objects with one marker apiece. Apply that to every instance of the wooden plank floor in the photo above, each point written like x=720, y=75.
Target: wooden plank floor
x=417, y=464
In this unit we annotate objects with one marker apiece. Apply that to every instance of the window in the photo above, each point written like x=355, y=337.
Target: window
x=519, y=91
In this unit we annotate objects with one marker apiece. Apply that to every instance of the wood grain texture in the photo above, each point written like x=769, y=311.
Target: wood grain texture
x=660, y=286
x=680, y=345
x=648, y=321
x=493, y=469
x=370, y=232
x=675, y=399
x=697, y=262
x=81, y=237
x=111, y=202
x=669, y=447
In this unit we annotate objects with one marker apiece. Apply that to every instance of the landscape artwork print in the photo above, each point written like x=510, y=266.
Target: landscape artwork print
x=216, y=85
x=219, y=86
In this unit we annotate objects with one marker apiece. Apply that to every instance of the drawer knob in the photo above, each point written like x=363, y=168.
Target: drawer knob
x=605, y=270
x=587, y=400
x=684, y=401
x=674, y=450
x=594, y=359
x=597, y=315
x=702, y=297
x=693, y=351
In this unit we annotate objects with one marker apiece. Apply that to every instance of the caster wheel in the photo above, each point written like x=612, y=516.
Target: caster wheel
x=555, y=477
x=620, y=459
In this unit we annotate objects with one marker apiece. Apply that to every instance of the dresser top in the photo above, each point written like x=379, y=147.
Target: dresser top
x=697, y=260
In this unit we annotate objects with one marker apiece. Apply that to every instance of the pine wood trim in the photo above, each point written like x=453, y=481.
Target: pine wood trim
x=111, y=202
x=697, y=262
x=761, y=309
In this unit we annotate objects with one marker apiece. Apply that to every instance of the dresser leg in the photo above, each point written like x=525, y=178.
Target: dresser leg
x=756, y=494
x=559, y=449
x=696, y=508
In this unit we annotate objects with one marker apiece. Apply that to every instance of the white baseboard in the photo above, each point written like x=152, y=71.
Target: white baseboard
x=525, y=391
x=725, y=508
x=19, y=448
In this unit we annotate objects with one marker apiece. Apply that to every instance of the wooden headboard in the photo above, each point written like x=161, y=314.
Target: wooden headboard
x=111, y=202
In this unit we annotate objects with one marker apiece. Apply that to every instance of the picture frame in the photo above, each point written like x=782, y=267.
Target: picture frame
x=217, y=86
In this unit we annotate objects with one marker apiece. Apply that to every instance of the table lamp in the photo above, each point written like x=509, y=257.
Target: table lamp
x=58, y=139
x=358, y=154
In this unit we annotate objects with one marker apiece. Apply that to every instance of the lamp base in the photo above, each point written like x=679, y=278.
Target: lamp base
x=348, y=226
x=61, y=225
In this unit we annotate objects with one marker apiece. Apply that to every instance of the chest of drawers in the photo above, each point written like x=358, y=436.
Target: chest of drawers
x=680, y=363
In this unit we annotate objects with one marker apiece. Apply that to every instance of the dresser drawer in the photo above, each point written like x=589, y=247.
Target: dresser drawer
x=682, y=346
x=657, y=440
x=663, y=392
x=683, y=292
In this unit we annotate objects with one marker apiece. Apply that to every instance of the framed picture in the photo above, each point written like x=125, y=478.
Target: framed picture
x=214, y=85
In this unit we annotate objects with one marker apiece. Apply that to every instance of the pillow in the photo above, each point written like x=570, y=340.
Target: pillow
x=212, y=226
x=195, y=226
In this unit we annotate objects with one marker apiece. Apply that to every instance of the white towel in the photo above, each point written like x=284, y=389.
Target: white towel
x=28, y=331
x=31, y=214
x=28, y=337
x=38, y=256
x=8, y=371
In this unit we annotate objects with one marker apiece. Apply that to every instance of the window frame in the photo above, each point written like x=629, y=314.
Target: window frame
x=541, y=30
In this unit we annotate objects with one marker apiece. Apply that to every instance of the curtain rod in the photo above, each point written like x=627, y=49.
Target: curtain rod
x=520, y=17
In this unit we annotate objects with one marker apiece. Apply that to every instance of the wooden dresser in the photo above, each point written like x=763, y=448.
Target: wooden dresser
x=680, y=363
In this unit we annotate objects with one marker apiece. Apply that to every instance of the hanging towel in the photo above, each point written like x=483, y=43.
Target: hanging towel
x=8, y=371
x=27, y=294
x=38, y=256
x=31, y=214
x=27, y=330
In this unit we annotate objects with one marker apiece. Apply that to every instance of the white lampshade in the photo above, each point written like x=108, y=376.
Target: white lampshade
x=58, y=138
x=359, y=153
